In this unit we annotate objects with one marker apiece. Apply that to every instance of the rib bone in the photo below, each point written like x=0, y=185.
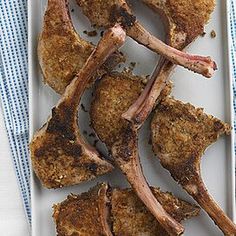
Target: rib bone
x=61, y=51
x=113, y=96
x=125, y=154
x=86, y=214
x=180, y=135
x=109, y=12
x=59, y=154
x=184, y=21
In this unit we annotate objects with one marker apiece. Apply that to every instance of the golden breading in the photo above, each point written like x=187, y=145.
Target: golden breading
x=102, y=16
x=180, y=135
x=84, y=214
x=131, y=217
x=61, y=51
x=114, y=94
x=185, y=19
x=59, y=160
x=181, y=132
x=60, y=156
x=80, y=215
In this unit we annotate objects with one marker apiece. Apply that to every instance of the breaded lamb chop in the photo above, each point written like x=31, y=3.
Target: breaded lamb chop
x=104, y=13
x=112, y=97
x=60, y=156
x=131, y=217
x=61, y=51
x=92, y=213
x=85, y=214
x=184, y=21
x=180, y=135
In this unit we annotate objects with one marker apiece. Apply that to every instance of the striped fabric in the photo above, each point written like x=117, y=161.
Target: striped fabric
x=233, y=49
x=14, y=88
x=14, y=85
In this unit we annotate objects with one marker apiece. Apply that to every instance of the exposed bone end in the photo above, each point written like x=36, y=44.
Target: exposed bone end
x=106, y=211
x=158, y=88
x=125, y=154
x=205, y=200
x=131, y=217
x=83, y=214
x=180, y=135
x=58, y=146
x=194, y=63
x=62, y=52
x=119, y=32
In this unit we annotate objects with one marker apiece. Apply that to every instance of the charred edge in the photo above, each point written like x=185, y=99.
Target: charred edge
x=62, y=122
x=126, y=148
x=69, y=147
x=178, y=113
x=121, y=15
x=218, y=126
x=185, y=173
x=92, y=167
x=138, y=120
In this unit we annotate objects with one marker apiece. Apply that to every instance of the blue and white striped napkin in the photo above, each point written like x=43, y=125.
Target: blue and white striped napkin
x=14, y=85
x=14, y=88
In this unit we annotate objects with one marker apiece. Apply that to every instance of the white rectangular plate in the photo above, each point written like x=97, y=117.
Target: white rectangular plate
x=214, y=95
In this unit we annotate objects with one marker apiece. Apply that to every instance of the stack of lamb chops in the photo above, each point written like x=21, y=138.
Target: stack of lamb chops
x=60, y=156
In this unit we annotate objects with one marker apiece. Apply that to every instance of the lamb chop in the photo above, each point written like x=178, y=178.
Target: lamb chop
x=184, y=22
x=85, y=214
x=61, y=51
x=106, y=13
x=180, y=135
x=60, y=156
x=131, y=217
x=112, y=97
x=106, y=211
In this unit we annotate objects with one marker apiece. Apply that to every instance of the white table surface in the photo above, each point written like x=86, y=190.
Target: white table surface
x=12, y=216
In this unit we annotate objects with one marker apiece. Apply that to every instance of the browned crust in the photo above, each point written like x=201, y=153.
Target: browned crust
x=61, y=51
x=180, y=135
x=131, y=217
x=58, y=157
x=185, y=19
x=80, y=215
x=114, y=94
x=107, y=12
x=59, y=161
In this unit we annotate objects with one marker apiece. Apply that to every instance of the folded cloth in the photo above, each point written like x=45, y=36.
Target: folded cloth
x=233, y=51
x=14, y=85
x=14, y=89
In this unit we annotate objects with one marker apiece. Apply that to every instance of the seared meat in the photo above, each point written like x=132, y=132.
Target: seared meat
x=61, y=51
x=109, y=12
x=59, y=154
x=184, y=19
x=113, y=95
x=184, y=22
x=132, y=218
x=180, y=135
x=86, y=214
